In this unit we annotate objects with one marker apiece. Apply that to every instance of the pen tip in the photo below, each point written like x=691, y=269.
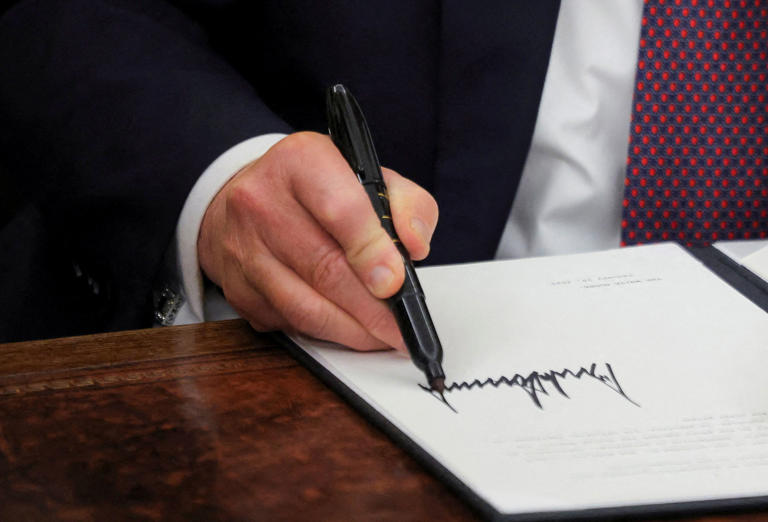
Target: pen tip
x=438, y=384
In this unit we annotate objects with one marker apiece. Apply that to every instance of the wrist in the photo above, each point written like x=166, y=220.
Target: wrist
x=190, y=226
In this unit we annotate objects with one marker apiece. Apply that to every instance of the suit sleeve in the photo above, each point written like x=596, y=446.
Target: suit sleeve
x=110, y=111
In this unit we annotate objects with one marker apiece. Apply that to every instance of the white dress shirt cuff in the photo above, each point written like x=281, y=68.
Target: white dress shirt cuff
x=188, y=226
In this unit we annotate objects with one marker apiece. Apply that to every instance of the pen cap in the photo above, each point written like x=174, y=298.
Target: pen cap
x=350, y=133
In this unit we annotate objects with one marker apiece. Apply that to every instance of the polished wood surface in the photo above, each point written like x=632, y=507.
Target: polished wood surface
x=200, y=422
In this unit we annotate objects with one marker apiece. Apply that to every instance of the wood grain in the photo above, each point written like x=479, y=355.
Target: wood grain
x=206, y=422
x=201, y=422
x=130, y=346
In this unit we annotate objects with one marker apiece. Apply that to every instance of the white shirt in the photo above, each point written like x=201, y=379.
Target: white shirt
x=570, y=193
x=569, y=198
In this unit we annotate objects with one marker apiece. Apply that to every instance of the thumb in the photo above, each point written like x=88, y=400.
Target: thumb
x=414, y=213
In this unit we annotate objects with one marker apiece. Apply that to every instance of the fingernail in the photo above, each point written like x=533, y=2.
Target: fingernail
x=380, y=280
x=421, y=229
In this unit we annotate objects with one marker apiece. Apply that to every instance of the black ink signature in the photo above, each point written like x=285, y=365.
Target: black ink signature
x=535, y=383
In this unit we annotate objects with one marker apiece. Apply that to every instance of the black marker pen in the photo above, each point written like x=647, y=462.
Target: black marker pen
x=350, y=134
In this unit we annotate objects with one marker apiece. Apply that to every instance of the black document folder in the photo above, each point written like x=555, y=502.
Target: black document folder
x=616, y=383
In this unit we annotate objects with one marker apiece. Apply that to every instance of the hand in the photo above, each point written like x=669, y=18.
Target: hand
x=294, y=243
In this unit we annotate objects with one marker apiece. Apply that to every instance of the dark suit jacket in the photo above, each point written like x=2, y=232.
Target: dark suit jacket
x=110, y=110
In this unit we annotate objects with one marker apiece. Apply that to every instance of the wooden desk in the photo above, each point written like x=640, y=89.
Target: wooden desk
x=201, y=422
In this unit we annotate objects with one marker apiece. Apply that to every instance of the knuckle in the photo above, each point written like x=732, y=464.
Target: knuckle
x=249, y=201
x=332, y=212
x=330, y=268
x=308, y=316
x=300, y=143
x=240, y=196
x=298, y=157
x=289, y=145
x=368, y=248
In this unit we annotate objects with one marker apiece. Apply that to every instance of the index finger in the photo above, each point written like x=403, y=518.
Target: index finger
x=331, y=193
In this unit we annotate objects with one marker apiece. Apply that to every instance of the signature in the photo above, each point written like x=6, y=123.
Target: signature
x=536, y=383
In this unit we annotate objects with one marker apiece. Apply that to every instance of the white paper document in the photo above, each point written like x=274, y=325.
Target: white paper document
x=619, y=378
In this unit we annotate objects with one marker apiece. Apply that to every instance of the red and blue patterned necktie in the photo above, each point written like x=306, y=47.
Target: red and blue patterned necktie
x=697, y=168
